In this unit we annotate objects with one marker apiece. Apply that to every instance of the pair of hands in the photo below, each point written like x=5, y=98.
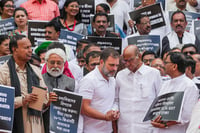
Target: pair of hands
x=157, y=122
x=112, y=115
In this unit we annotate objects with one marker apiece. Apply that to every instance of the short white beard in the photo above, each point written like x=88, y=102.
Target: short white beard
x=55, y=73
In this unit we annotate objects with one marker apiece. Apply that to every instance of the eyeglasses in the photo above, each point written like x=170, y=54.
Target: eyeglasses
x=147, y=60
x=81, y=61
x=52, y=62
x=73, y=6
x=145, y=23
x=167, y=62
x=94, y=64
x=9, y=6
x=158, y=65
x=128, y=60
x=189, y=52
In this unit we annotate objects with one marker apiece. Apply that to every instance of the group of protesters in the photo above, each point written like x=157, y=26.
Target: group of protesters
x=117, y=88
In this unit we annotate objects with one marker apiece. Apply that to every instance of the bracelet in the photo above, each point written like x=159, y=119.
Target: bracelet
x=166, y=126
x=105, y=118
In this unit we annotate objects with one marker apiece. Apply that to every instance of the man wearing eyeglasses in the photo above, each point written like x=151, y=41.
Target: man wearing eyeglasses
x=175, y=68
x=54, y=78
x=189, y=49
x=136, y=87
x=148, y=57
x=159, y=64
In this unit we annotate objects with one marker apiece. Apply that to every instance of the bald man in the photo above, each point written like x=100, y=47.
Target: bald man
x=136, y=87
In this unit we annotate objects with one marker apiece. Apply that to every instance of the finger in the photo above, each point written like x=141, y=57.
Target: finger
x=155, y=124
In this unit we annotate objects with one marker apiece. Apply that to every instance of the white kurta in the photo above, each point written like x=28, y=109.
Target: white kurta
x=135, y=92
x=194, y=126
x=102, y=93
x=181, y=83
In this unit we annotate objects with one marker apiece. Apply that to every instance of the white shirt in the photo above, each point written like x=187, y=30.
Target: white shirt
x=102, y=93
x=181, y=83
x=135, y=92
x=76, y=72
x=121, y=12
x=195, y=120
x=171, y=6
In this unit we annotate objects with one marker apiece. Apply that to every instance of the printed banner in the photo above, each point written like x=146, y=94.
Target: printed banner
x=36, y=30
x=146, y=42
x=168, y=106
x=107, y=42
x=7, y=96
x=154, y=12
x=64, y=113
x=86, y=8
x=7, y=25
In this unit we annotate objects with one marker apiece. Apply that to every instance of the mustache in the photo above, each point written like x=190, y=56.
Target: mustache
x=57, y=69
x=182, y=1
x=148, y=28
x=179, y=26
x=47, y=37
x=101, y=26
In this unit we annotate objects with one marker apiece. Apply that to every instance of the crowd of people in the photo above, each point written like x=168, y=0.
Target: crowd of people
x=117, y=89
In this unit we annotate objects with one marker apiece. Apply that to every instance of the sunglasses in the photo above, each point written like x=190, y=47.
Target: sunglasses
x=189, y=52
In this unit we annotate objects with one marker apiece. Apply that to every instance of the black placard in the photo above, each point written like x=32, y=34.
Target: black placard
x=36, y=30
x=154, y=12
x=167, y=105
x=7, y=25
x=107, y=42
x=7, y=95
x=86, y=8
x=64, y=113
x=146, y=42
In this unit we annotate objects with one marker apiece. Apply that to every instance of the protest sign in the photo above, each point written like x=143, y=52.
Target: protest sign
x=197, y=28
x=36, y=30
x=86, y=8
x=3, y=59
x=168, y=106
x=137, y=3
x=69, y=38
x=64, y=113
x=7, y=25
x=7, y=95
x=154, y=12
x=107, y=42
x=146, y=42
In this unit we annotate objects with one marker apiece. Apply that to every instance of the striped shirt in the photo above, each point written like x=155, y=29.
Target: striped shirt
x=47, y=10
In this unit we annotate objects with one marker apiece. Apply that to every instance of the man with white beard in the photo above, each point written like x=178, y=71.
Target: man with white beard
x=54, y=78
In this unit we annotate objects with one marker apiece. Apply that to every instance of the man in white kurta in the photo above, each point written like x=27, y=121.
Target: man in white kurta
x=136, y=87
x=194, y=126
x=175, y=68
